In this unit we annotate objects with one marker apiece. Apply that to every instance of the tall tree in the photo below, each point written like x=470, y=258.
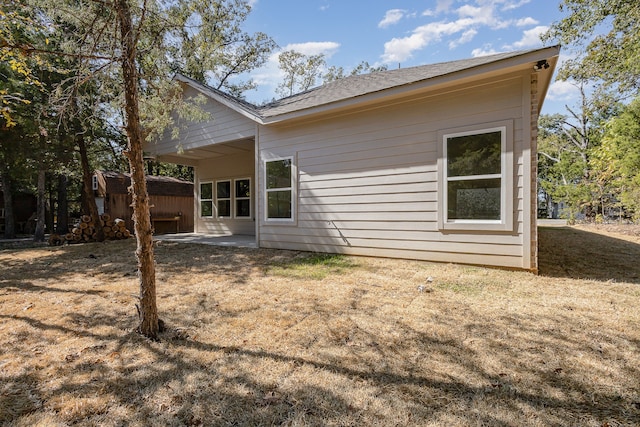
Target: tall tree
x=335, y=73
x=617, y=160
x=212, y=55
x=19, y=31
x=565, y=148
x=604, y=39
x=301, y=71
x=134, y=46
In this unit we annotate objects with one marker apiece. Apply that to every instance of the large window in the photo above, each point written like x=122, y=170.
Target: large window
x=206, y=199
x=242, y=192
x=227, y=198
x=476, y=179
x=223, y=198
x=279, y=189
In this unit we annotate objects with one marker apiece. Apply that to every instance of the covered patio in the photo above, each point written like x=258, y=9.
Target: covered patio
x=231, y=240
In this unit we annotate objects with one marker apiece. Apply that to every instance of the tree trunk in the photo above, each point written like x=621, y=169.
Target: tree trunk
x=39, y=233
x=62, y=226
x=51, y=202
x=7, y=189
x=87, y=189
x=148, y=310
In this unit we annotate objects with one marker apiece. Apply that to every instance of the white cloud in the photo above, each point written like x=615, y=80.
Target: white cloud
x=483, y=51
x=530, y=38
x=514, y=5
x=480, y=15
x=399, y=49
x=525, y=22
x=392, y=16
x=469, y=19
x=443, y=5
x=466, y=37
x=562, y=91
x=313, y=48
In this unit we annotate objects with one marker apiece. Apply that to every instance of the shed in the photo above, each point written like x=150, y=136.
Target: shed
x=171, y=200
x=24, y=209
x=436, y=162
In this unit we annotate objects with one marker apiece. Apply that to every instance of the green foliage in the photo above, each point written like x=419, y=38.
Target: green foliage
x=604, y=41
x=313, y=266
x=210, y=42
x=617, y=160
x=334, y=73
x=301, y=72
x=19, y=30
x=566, y=146
x=591, y=159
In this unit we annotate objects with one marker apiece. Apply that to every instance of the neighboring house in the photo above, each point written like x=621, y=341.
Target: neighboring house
x=436, y=162
x=171, y=200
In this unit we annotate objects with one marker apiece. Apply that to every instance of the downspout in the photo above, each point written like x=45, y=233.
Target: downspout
x=257, y=212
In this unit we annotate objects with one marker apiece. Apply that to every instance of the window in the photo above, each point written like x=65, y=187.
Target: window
x=476, y=187
x=229, y=198
x=206, y=199
x=279, y=189
x=242, y=188
x=223, y=198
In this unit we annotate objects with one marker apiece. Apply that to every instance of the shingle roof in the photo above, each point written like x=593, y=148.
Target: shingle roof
x=119, y=182
x=360, y=85
x=354, y=86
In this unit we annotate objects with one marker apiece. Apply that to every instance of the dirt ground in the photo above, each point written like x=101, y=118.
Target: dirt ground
x=266, y=337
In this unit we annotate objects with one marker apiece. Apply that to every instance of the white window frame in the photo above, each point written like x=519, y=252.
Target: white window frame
x=230, y=198
x=505, y=223
x=236, y=198
x=291, y=188
x=200, y=199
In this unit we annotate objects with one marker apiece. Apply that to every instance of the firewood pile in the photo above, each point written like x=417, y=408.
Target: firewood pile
x=85, y=230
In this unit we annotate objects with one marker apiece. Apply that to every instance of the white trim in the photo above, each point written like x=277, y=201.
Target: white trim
x=230, y=198
x=236, y=198
x=200, y=199
x=291, y=188
x=505, y=223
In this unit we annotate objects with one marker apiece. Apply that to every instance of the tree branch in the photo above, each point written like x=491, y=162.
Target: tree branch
x=30, y=50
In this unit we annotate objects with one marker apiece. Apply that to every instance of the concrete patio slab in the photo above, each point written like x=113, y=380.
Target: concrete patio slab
x=235, y=240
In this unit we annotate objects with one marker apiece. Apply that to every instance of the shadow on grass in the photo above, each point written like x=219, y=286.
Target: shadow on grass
x=578, y=254
x=245, y=399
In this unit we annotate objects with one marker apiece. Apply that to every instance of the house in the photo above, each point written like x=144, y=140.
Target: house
x=171, y=200
x=435, y=162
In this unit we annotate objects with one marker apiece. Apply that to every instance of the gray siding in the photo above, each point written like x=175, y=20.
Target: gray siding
x=224, y=126
x=367, y=181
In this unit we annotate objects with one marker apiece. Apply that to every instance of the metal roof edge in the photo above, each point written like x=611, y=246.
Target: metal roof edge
x=244, y=108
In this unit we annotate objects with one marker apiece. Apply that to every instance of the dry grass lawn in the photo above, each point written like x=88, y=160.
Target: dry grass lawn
x=265, y=337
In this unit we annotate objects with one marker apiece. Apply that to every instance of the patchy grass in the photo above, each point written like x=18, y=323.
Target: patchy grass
x=312, y=266
x=265, y=337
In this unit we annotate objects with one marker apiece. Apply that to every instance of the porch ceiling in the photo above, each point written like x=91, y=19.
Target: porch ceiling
x=217, y=150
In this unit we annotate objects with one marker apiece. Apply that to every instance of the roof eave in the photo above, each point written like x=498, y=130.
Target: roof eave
x=503, y=66
x=229, y=103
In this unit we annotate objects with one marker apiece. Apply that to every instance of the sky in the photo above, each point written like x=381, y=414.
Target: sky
x=401, y=33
